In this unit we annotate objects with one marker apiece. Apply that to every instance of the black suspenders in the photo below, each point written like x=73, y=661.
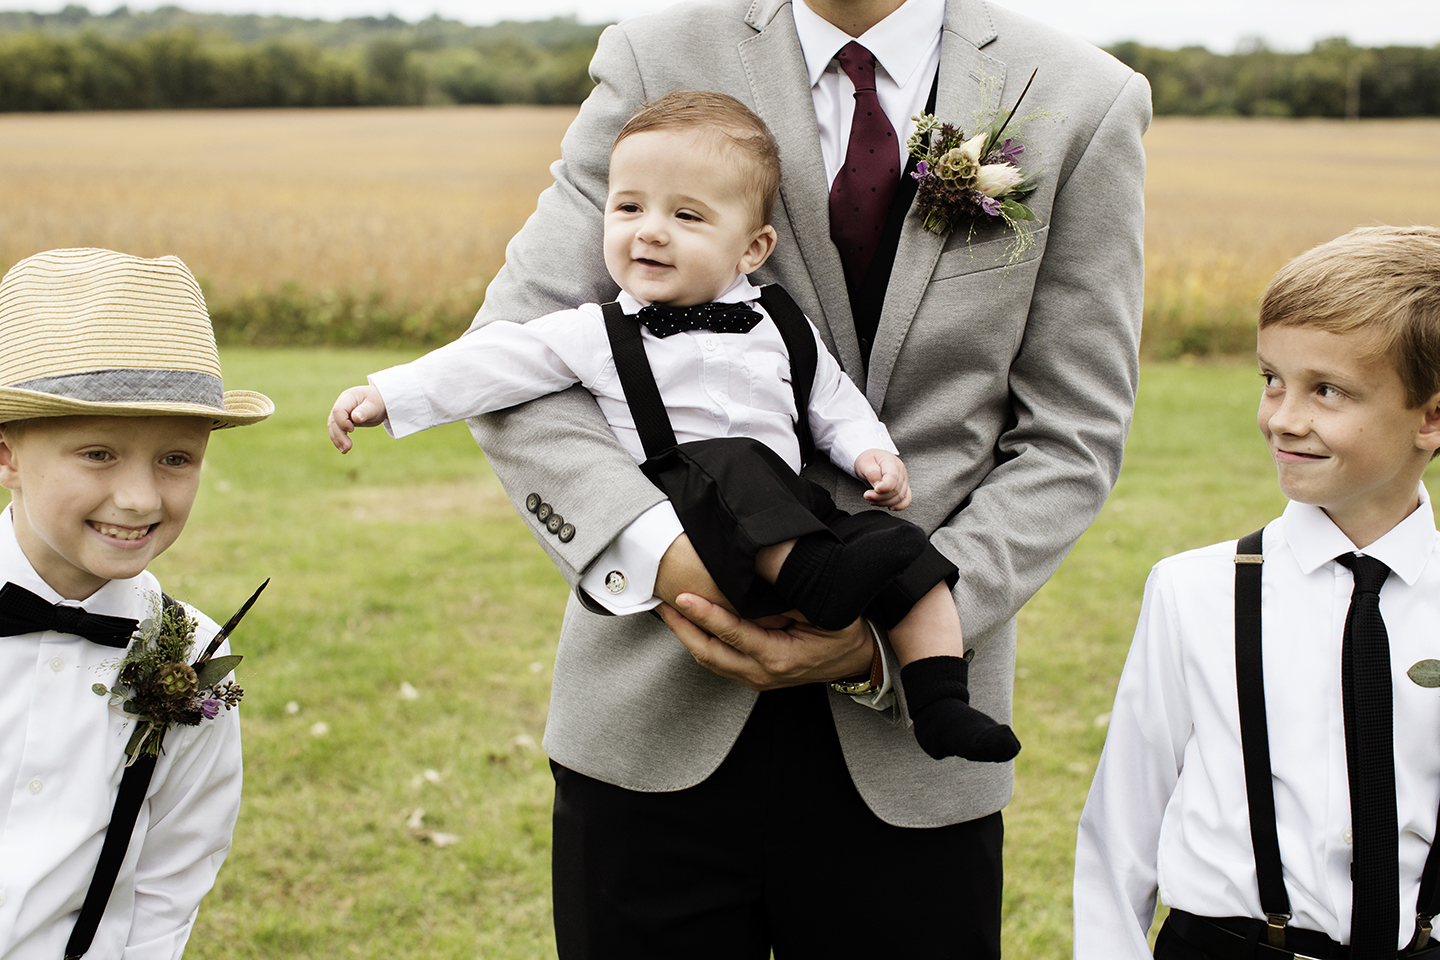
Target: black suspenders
x=1255, y=745
x=133, y=784
x=637, y=378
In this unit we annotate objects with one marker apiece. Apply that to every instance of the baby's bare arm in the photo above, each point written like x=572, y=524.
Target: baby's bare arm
x=889, y=481
x=356, y=407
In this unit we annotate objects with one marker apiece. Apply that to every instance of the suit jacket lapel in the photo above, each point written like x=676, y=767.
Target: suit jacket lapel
x=775, y=66
x=970, y=81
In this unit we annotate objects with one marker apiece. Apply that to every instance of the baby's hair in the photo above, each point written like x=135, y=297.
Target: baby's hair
x=729, y=119
x=1381, y=280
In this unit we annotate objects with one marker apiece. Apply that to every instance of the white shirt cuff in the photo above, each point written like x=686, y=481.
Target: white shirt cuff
x=883, y=698
x=622, y=579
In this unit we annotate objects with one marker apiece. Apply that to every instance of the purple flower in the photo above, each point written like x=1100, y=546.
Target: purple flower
x=1011, y=151
x=210, y=708
x=922, y=169
x=989, y=204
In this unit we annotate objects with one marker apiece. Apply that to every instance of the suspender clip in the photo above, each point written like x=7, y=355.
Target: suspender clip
x=1275, y=924
x=1422, y=931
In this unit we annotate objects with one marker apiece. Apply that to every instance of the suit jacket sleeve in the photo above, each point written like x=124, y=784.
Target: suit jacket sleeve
x=559, y=446
x=1072, y=381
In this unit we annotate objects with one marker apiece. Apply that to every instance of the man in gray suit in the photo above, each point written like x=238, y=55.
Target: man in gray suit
x=714, y=798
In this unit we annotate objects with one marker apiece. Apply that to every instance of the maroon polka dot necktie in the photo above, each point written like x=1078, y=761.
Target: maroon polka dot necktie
x=863, y=189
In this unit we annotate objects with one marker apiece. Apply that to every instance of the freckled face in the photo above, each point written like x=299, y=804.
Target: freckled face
x=1339, y=429
x=679, y=227
x=97, y=498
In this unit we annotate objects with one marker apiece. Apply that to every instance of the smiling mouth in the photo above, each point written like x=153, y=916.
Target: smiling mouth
x=122, y=533
x=650, y=263
x=1295, y=456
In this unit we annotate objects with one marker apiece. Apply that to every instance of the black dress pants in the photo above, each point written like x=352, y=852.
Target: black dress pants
x=775, y=850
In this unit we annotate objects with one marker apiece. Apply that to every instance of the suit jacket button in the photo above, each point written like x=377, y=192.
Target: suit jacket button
x=567, y=532
x=532, y=502
x=554, y=523
x=543, y=511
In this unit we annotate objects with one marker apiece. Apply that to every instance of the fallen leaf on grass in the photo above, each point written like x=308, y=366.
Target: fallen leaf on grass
x=416, y=824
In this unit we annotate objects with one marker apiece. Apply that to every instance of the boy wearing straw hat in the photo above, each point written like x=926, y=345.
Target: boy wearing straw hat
x=109, y=389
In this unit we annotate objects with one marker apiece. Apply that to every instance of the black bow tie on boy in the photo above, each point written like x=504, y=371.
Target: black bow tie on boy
x=665, y=321
x=23, y=612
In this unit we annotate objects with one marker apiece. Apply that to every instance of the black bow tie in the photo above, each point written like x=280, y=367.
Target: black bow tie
x=664, y=321
x=23, y=612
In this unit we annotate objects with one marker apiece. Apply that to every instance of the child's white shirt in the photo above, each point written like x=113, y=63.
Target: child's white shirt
x=61, y=760
x=713, y=384
x=1167, y=811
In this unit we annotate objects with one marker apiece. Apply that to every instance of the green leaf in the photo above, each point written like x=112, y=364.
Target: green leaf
x=215, y=671
x=1016, y=210
x=1426, y=673
x=135, y=739
x=100, y=690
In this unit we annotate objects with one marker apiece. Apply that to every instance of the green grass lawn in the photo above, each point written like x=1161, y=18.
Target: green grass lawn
x=403, y=566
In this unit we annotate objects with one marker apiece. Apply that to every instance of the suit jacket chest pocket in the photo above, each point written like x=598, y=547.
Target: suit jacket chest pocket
x=991, y=247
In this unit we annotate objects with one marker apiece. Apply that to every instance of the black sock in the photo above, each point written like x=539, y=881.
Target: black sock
x=832, y=583
x=938, y=696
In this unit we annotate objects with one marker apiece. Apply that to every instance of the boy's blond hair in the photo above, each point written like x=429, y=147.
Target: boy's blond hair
x=730, y=119
x=1379, y=280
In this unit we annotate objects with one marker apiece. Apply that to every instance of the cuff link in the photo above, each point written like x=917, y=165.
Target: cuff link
x=615, y=581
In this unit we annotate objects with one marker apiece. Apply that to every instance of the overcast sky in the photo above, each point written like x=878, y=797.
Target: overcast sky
x=1217, y=24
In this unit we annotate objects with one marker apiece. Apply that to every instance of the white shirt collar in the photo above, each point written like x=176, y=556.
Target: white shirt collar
x=115, y=598
x=892, y=40
x=741, y=290
x=1405, y=549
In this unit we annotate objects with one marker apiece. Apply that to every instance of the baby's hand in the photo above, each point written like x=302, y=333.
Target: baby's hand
x=356, y=407
x=888, y=479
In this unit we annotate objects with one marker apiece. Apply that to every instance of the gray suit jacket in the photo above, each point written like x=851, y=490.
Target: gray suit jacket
x=1008, y=387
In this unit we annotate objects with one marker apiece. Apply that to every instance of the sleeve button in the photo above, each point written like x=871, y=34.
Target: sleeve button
x=532, y=502
x=554, y=523
x=567, y=532
x=543, y=511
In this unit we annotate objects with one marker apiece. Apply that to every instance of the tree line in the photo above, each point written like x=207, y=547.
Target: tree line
x=171, y=58
x=74, y=61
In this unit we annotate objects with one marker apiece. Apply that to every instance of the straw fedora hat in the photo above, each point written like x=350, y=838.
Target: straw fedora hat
x=95, y=332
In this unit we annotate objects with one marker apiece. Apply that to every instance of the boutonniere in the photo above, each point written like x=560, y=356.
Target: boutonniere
x=967, y=179
x=158, y=688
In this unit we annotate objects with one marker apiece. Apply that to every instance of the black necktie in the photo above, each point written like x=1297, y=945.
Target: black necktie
x=1370, y=761
x=23, y=612
x=664, y=321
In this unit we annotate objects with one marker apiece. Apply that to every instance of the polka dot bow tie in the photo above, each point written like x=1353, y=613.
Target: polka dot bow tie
x=665, y=321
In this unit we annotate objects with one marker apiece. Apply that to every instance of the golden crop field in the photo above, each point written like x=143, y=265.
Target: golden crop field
x=418, y=204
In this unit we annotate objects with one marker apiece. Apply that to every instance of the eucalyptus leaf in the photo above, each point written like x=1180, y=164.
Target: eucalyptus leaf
x=135, y=739
x=215, y=671
x=99, y=689
x=1426, y=673
x=1016, y=210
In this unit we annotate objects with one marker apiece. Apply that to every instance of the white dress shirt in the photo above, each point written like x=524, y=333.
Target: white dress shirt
x=61, y=759
x=1168, y=810
x=713, y=385
x=907, y=69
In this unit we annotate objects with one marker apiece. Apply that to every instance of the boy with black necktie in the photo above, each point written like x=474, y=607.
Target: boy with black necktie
x=109, y=390
x=1324, y=629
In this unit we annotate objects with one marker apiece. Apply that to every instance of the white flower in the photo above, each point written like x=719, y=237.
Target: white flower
x=997, y=179
x=974, y=145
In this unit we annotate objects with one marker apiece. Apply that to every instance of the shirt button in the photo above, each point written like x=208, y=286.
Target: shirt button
x=1347, y=835
x=709, y=343
x=57, y=664
x=36, y=786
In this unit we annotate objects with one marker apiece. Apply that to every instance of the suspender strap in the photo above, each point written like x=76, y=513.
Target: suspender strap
x=1255, y=737
x=800, y=343
x=637, y=379
x=133, y=785
x=1427, y=905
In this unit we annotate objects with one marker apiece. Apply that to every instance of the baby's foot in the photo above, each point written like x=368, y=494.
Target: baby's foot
x=938, y=695
x=832, y=583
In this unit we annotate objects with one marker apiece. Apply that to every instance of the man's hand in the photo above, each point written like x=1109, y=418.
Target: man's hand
x=889, y=480
x=766, y=657
x=356, y=407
